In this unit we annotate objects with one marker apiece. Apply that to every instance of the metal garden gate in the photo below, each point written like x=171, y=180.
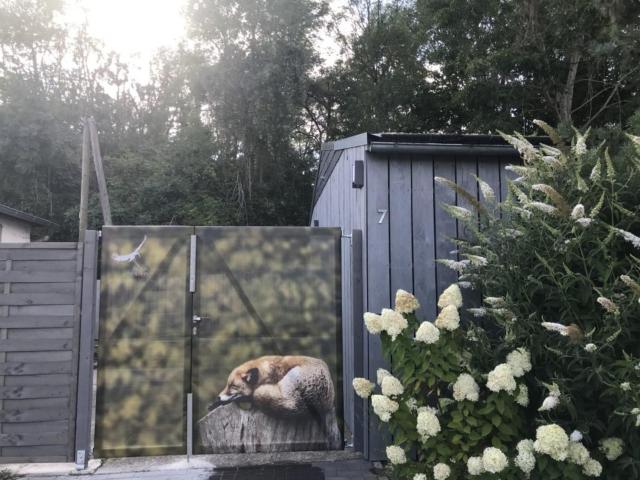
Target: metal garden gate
x=182, y=308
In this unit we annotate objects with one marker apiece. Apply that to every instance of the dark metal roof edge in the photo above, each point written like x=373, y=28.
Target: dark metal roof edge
x=25, y=217
x=440, y=148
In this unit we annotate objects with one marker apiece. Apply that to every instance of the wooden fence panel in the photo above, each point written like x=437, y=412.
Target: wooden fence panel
x=40, y=286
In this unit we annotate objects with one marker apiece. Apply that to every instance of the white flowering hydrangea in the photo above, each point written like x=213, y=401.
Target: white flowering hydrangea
x=626, y=386
x=576, y=436
x=501, y=378
x=465, y=388
x=448, y=319
x=373, y=322
x=493, y=460
x=552, y=440
x=391, y=386
x=396, y=455
x=475, y=466
x=577, y=453
x=451, y=296
x=592, y=468
x=549, y=403
x=427, y=333
x=636, y=412
x=383, y=407
x=522, y=398
x=420, y=476
x=363, y=387
x=520, y=362
x=441, y=471
x=590, y=347
x=612, y=447
x=525, y=460
x=428, y=424
x=393, y=323
x=406, y=302
x=380, y=374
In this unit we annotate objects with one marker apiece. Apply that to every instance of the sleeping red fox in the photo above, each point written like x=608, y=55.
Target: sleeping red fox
x=282, y=386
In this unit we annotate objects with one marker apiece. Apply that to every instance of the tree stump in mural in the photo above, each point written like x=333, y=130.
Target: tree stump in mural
x=231, y=429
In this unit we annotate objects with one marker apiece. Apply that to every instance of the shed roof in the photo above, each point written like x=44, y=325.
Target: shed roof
x=25, y=217
x=408, y=143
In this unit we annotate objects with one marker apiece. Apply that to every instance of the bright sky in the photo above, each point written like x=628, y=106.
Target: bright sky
x=136, y=29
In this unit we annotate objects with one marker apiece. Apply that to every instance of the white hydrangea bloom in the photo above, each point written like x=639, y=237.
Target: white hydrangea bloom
x=493, y=460
x=466, y=388
x=522, y=398
x=441, y=471
x=427, y=424
x=578, y=453
x=396, y=455
x=393, y=323
x=383, y=407
x=525, y=461
x=380, y=374
x=501, y=378
x=592, y=468
x=448, y=319
x=576, y=436
x=427, y=333
x=625, y=386
x=406, y=302
x=420, y=476
x=577, y=212
x=590, y=347
x=451, y=296
x=525, y=445
x=520, y=362
x=474, y=466
x=552, y=440
x=549, y=403
x=612, y=447
x=391, y=386
x=362, y=387
x=373, y=322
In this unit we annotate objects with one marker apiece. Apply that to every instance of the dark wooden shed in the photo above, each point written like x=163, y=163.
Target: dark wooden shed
x=380, y=189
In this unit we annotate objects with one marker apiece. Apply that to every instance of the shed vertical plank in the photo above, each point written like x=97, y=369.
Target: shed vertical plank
x=489, y=171
x=400, y=226
x=424, y=253
x=378, y=285
x=445, y=229
x=466, y=168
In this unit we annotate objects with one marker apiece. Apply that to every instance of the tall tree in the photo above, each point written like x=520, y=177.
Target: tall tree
x=258, y=56
x=505, y=63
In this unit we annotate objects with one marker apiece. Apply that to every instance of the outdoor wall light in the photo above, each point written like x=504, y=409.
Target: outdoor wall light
x=357, y=178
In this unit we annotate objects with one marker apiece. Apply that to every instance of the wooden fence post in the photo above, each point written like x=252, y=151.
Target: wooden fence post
x=85, y=358
x=84, y=182
x=102, y=183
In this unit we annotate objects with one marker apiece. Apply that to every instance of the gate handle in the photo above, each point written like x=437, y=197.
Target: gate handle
x=196, y=319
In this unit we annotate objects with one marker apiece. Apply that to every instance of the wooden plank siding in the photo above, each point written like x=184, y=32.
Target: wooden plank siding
x=39, y=330
x=401, y=251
